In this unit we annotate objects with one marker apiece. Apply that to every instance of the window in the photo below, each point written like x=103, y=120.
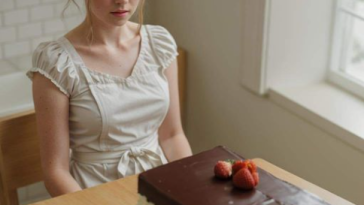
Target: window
x=347, y=64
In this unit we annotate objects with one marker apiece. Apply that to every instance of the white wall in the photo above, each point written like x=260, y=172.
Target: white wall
x=220, y=111
x=299, y=41
x=26, y=23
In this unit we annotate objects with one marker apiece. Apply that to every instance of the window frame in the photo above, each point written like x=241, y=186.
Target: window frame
x=338, y=55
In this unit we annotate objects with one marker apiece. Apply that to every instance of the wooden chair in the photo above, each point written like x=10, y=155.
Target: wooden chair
x=19, y=155
x=182, y=81
x=20, y=163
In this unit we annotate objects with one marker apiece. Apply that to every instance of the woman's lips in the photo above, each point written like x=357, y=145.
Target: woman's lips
x=120, y=14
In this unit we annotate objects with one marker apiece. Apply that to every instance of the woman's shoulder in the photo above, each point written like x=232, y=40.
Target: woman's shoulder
x=48, y=51
x=160, y=34
x=52, y=61
x=52, y=55
x=165, y=45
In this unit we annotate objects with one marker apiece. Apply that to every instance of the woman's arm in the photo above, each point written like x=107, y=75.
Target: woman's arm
x=171, y=135
x=52, y=110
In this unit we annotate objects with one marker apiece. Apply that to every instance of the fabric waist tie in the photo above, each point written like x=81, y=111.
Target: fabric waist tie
x=143, y=158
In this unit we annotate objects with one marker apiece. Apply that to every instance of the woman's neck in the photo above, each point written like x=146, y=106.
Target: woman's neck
x=105, y=35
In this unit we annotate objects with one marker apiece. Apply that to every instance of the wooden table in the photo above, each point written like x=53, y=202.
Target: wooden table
x=124, y=191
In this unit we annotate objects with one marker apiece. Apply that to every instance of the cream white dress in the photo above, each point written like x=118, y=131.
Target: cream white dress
x=113, y=121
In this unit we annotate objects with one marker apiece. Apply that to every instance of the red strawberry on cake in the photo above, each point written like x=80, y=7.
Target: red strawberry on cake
x=246, y=177
x=223, y=170
x=237, y=165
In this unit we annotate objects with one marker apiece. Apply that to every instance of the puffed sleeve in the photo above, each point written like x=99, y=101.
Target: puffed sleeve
x=51, y=60
x=165, y=46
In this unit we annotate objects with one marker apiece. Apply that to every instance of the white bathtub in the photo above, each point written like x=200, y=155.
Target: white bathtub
x=15, y=94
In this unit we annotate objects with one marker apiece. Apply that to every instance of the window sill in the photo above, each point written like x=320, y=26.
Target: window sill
x=327, y=107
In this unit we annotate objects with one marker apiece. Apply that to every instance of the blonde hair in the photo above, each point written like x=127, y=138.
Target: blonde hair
x=90, y=35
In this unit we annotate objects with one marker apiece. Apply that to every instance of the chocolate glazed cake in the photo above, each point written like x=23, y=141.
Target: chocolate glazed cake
x=191, y=181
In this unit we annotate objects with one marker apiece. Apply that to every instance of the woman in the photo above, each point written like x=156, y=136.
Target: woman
x=107, y=90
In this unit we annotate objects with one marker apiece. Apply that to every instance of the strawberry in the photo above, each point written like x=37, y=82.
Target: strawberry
x=243, y=179
x=256, y=178
x=246, y=176
x=238, y=164
x=223, y=169
x=250, y=165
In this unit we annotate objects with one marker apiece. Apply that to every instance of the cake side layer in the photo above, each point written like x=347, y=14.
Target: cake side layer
x=191, y=181
x=153, y=194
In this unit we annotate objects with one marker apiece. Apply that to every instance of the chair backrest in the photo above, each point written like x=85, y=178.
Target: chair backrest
x=19, y=155
x=182, y=81
x=20, y=163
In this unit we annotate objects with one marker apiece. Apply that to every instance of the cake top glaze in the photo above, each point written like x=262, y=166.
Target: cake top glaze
x=191, y=181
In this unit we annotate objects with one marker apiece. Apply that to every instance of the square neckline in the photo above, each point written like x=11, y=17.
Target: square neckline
x=77, y=58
